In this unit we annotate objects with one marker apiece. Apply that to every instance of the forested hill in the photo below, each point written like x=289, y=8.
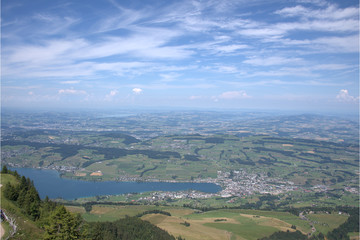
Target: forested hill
x=34, y=218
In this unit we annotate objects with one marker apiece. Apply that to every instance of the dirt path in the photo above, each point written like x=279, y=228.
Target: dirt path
x=2, y=231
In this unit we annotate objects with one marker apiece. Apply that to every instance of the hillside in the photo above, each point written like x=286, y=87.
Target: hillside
x=26, y=227
x=28, y=217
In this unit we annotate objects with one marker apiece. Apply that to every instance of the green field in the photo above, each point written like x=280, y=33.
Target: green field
x=326, y=222
x=183, y=158
x=222, y=224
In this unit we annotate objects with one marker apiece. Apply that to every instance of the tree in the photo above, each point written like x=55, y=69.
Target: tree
x=10, y=192
x=32, y=203
x=4, y=169
x=63, y=225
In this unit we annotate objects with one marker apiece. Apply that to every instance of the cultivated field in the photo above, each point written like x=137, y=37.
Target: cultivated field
x=216, y=224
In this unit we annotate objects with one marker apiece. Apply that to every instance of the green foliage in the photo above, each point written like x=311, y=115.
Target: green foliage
x=189, y=157
x=4, y=169
x=320, y=236
x=128, y=228
x=46, y=209
x=186, y=224
x=156, y=211
x=180, y=238
x=26, y=197
x=63, y=225
x=286, y=236
x=220, y=220
x=88, y=207
x=10, y=192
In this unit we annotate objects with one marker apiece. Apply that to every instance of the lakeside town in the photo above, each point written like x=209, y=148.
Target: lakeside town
x=236, y=183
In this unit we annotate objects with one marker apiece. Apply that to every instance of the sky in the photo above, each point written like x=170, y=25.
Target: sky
x=300, y=55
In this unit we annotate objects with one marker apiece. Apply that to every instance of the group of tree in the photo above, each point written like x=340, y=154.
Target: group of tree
x=127, y=228
x=23, y=194
x=155, y=211
x=297, y=235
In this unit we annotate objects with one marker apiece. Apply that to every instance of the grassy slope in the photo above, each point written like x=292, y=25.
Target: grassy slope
x=238, y=224
x=326, y=222
x=27, y=229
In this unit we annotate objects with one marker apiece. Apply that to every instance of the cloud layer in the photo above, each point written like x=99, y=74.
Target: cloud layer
x=228, y=49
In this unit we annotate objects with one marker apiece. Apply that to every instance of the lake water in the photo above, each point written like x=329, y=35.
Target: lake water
x=49, y=183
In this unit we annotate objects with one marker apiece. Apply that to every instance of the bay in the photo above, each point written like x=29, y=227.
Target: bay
x=49, y=183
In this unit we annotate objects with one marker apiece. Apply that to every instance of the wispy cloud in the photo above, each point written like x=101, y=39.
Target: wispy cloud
x=71, y=91
x=331, y=12
x=269, y=61
x=234, y=95
x=176, y=48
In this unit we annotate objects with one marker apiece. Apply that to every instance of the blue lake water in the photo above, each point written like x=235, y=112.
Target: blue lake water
x=49, y=183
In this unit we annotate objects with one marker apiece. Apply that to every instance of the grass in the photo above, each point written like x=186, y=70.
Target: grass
x=301, y=225
x=327, y=222
x=236, y=226
x=76, y=209
x=111, y=212
x=248, y=231
x=196, y=231
x=239, y=224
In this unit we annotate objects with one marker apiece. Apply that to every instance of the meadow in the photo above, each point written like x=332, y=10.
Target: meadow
x=215, y=224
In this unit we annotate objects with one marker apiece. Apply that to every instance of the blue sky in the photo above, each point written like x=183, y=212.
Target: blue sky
x=286, y=55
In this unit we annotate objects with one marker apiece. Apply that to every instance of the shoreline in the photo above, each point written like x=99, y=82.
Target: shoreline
x=122, y=179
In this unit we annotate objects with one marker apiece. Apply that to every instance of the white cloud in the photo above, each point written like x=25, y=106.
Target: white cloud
x=169, y=77
x=111, y=95
x=315, y=2
x=331, y=12
x=263, y=31
x=340, y=44
x=137, y=90
x=268, y=61
x=70, y=82
x=71, y=91
x=113, y=92
x=195, y=97
x=221, y=68
x=275, y=82
x=234, y=95
x=143, y=49
x=230, y=48
x=344, y=96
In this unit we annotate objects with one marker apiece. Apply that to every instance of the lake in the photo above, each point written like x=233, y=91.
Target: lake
x=49, y=183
